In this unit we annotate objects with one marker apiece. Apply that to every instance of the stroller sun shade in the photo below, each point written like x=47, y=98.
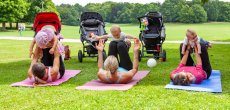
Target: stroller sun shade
x=47, y=18
x=91, y=15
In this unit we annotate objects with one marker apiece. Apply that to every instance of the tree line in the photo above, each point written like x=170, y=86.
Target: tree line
x=195, y=11
x=14, y=11
x=173, y=11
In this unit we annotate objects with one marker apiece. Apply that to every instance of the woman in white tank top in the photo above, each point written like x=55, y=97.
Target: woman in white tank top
x=41, y=74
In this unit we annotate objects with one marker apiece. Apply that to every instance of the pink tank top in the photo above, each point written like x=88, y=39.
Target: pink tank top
x=49, y=76
x=197, y=72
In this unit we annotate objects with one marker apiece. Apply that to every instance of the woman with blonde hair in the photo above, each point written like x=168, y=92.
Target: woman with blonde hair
x=110, y=72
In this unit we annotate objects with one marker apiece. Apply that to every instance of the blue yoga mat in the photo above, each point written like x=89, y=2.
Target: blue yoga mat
x=213, y=84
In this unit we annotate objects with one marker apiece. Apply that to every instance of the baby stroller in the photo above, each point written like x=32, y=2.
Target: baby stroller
x=47, y=18
x=90, y=22
x=43, y=19
x=152, y=35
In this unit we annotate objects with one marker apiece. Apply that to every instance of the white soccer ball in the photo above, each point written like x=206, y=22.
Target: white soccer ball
x=151, y=63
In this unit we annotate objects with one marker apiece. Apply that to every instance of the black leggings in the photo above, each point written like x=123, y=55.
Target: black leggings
x=48, y=59
x=120, y=48
x=204, y=57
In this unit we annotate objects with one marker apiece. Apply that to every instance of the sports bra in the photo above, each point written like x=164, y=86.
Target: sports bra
x=121, y=71
x=50, y=77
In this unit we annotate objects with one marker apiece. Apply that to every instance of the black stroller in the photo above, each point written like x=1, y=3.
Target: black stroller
x=90, y=22
x=152, y=35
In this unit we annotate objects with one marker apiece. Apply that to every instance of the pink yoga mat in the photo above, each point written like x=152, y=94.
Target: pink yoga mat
x=68, y=74
x=98, y=85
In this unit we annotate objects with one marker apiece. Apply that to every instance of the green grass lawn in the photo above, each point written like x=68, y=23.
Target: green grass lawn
x=214, y=31
x=148, y=94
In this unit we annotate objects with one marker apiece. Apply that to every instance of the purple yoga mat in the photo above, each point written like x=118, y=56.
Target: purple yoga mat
x=68, y=74
x=98, y=85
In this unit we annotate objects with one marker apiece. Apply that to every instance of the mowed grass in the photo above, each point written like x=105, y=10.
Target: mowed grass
x=147, y=94
x=214, y=31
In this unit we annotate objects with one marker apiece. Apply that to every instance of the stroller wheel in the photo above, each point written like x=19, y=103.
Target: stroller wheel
x=80, y=56
x=139, y=55
x=163, y=56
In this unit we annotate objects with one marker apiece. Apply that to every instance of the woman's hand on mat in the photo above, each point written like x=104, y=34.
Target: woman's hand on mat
x=100, y=45
x=137, y=45
x=51, y=51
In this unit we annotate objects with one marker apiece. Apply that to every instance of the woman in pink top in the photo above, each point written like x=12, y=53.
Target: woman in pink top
x=186, y=75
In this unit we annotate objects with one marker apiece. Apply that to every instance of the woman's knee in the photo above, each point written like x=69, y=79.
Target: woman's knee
x=112, y=44
x=121, y=45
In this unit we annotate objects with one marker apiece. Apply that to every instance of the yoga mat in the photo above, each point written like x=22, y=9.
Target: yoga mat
x=98, y=85
x=68, y=74
x=213, y=84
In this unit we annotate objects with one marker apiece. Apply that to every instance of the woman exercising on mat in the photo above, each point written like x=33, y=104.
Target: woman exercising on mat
x=110, y=72
x=186, y=75
x=41, y=74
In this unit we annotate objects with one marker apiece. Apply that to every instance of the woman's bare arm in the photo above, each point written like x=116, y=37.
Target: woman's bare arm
x=198, y=58
x=56, y=62
x=32, y=47
x=185, y=57
x=135, y=59
x=34, y=60
x=100, y=48
x=55, y=42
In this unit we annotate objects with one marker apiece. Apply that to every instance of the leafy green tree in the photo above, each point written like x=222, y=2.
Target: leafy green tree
x=70, y=14
x=213, y=10
x=12, y=11
x=200, y=14
x=224, y=12
x=37, y=6
x=204, y=1
x=186, y=14
x=171, y=9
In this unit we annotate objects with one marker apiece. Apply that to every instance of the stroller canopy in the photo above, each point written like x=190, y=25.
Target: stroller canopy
x=91, y=22
x=153, y=15
x=47, y=18
x=91, y=15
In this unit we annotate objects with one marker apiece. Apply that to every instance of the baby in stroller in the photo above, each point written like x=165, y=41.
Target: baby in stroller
x=192, y=39
x=117, y=35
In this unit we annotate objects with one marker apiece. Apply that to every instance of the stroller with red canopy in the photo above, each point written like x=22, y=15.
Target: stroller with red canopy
x=47, y=18
x=43, y=19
